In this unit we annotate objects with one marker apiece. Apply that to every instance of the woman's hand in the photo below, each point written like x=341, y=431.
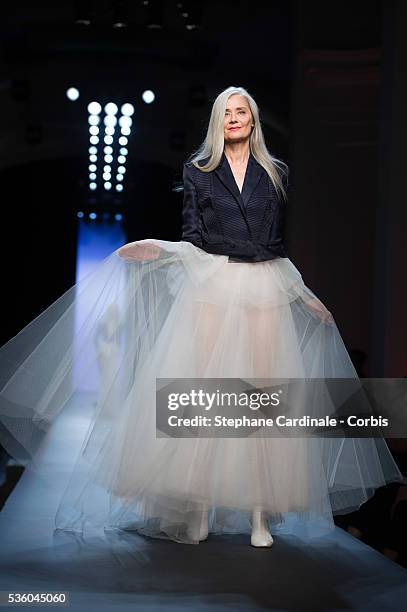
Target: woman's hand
x=317, y=308
x=139, y=251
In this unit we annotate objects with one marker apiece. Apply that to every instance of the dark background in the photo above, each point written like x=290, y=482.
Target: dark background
x=331, y=83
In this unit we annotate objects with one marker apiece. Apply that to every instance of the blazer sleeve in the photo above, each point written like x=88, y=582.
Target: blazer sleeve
x=191, y=216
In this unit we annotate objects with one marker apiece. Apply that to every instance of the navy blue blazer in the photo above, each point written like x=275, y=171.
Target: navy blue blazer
x=246, y=226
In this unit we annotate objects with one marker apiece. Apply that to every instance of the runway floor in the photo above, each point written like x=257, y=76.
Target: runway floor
x=119, y=570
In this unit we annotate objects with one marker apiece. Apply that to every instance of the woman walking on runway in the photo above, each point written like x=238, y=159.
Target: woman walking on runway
x=224, y=302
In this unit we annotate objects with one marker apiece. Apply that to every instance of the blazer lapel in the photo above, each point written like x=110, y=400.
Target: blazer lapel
x=253, y=175
x=225, y=174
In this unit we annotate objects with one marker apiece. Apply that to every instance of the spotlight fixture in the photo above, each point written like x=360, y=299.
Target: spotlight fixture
x=148, y=96
x=94, y=108
x=120, y=13
x=72, y=94
x=82, y=12
x=111, y=108
x=111, y=154
x=127, y=109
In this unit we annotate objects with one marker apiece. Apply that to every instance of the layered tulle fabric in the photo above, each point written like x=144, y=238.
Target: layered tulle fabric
x=157, y=309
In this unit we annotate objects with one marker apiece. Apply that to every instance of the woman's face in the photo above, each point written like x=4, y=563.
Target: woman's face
x=238, y=119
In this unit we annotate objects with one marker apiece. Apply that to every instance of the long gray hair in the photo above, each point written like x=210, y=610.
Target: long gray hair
x=213, y=144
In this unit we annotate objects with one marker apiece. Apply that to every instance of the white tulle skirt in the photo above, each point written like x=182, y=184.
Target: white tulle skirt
x=184, y=314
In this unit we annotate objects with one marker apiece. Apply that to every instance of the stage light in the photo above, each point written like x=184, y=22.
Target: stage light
x=125, y=121
x=92, y=215
x=111, y=108
x=110, y=120
x=120, y=13
x=108, y=113
x=93, y=119
x=148, y=96
x=80, y=214
x=72, y=94
x=94, y=108
x=82, y=12
x=118, y=216
x=127, y=109
x=119, y=187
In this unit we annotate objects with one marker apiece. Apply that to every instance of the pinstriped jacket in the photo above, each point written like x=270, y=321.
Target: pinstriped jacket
x=218, y=218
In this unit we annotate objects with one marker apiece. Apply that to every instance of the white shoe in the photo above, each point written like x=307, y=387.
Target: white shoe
x=199, y=529
x=204, y=526
x=261, y=537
